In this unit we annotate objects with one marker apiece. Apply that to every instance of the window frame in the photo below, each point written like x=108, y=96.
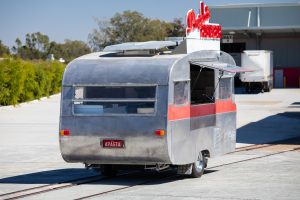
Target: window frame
x=230, y=87
x=187, y=87
x=120, y=100
x=214, y=71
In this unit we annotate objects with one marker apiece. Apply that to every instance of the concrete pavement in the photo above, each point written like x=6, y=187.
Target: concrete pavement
x=30, y=156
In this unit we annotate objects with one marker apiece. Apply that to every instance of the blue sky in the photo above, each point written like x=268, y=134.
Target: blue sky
x=73, y=19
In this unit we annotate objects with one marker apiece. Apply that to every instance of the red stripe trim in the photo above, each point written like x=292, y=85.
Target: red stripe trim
x=225, y=106
x=203, y=110
x=188, y=111
x=180, y=112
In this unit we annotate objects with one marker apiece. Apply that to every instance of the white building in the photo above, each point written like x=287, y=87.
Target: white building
x=274, y=27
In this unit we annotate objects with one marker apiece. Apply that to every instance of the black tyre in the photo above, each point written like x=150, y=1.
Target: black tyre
x=108, y=170
x=198, y=166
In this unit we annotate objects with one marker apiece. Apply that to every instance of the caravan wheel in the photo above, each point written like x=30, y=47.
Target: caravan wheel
x=198, y=166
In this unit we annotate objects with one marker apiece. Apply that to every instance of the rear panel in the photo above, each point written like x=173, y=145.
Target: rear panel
x=127, y=112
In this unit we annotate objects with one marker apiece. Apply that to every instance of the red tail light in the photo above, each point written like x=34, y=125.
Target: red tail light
x=65, y=132
x=160, y=132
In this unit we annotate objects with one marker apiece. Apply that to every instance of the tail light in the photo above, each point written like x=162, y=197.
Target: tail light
x=160, y=132
x=65, y=132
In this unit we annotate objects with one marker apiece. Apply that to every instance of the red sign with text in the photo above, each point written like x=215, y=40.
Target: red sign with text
x=201, y=23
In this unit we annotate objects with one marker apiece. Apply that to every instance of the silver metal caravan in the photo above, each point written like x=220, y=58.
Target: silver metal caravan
x=156, y=111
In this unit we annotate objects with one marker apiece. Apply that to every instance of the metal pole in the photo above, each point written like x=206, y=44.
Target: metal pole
x=249, y=18
x=258, y=16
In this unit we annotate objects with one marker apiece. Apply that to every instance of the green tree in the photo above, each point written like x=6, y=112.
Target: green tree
x=74, y=49
x=22, y=80
x=132, y=26
x=18, y=46
x=56, y=49
x=129, y=26
x=42, y=42
x=35, y=47
x=176, y=28
x=38, y=46
x=100, y=37
x=4, y=50
x=12, y=79
x=69, y=50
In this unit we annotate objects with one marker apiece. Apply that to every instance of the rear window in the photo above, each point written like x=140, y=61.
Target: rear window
x=101, y=100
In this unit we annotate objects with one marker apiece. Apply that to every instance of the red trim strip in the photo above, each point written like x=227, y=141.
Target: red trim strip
x=203, y=110
x=223, y=106
x=180, y=112
x=188, y=111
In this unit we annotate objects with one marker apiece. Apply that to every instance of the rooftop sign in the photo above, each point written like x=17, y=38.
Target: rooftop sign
x=200, y=34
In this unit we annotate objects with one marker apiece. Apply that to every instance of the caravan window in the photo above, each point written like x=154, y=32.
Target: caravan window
x=181, y=92
x=202, y=85
x=225, y=88
x=99, y=100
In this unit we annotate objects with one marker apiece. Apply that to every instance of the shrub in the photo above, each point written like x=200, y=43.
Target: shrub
x=22, y=81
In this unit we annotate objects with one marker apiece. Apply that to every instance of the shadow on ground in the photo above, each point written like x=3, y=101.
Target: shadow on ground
x=50, y=176
x=276, y=128
x=72, y=175
x=296, y=103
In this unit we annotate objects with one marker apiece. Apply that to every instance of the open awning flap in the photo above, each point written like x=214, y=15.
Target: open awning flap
x=222, y=66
